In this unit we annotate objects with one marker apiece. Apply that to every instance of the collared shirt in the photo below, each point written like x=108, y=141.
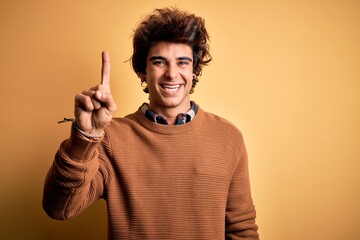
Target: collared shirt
x=180, y=118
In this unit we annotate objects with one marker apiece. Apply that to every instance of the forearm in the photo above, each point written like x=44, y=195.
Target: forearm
x=240, y=224
x=72, y=182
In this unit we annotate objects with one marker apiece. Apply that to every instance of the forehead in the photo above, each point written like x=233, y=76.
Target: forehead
x=170, y=50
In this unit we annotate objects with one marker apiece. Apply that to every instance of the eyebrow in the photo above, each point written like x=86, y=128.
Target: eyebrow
x=163, y=58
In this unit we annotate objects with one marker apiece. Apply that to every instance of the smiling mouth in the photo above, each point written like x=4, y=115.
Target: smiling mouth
x=170, y=88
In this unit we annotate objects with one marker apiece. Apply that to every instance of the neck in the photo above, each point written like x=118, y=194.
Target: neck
x=170, y=113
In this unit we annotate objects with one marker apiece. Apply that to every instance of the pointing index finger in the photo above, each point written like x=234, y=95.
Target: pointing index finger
x=105, y=69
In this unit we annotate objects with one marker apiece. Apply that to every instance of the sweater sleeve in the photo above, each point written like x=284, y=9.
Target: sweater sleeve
x=73, y=181
x=240, y=210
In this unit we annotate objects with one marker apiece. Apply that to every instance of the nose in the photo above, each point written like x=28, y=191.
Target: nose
x=171, y=72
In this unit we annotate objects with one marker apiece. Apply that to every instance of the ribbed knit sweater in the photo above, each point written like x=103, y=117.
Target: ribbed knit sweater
x=185, y=181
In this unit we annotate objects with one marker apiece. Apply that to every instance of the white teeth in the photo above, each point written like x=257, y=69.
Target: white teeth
x=172, y=87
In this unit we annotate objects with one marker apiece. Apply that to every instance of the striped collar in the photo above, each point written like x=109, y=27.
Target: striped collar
x=180, y=119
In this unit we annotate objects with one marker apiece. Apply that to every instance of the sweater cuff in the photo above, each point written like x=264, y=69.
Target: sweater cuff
x=79, y=147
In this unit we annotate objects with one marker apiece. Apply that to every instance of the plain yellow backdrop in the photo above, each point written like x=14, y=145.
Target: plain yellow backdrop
x=287, y=73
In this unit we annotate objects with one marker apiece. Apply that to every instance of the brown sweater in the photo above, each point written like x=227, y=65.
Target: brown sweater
x=185, y=181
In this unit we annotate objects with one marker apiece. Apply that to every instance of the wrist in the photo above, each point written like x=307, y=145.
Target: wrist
x=94, y=136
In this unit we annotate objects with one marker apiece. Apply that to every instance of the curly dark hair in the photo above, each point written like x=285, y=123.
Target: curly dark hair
x=171, y=25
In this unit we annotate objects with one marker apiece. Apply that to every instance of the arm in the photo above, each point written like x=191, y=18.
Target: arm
x=75, y=179
x=240, y=210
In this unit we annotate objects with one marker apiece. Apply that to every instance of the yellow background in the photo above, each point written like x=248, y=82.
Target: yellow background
x=287, y=73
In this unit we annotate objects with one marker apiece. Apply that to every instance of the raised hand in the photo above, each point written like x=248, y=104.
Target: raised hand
x=94, y=107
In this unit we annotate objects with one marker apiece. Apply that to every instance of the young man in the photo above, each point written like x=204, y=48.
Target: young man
x=168, y=171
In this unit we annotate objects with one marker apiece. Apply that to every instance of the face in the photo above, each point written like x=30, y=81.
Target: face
x=169, y=74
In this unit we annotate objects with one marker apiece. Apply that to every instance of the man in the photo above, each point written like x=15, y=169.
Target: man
x=168, y=171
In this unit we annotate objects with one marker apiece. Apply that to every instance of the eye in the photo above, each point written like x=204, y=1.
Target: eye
x=184, y=63
x=159, y=63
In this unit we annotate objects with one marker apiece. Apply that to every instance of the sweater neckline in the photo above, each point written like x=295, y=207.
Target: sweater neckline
x=170, y=129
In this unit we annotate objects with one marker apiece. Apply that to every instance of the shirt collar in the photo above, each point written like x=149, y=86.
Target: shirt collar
x=180, y=119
